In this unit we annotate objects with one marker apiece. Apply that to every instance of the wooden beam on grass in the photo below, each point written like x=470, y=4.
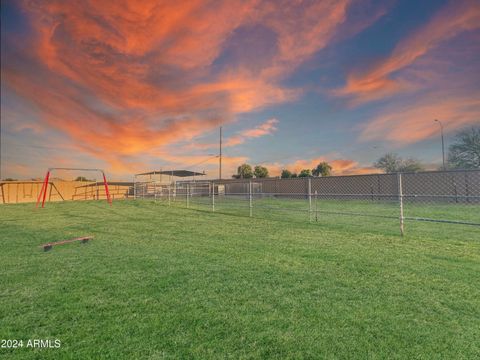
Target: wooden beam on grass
x=50, y=245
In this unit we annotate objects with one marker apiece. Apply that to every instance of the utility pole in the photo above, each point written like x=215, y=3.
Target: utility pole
x=220, y=157
x=443, y=142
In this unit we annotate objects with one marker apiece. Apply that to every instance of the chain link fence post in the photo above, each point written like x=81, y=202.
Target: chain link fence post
x=213, y=197
x=310, y=199
x=400, y=200
x=169, y=189
x=187, y=190
x=250, y=198
x=134, y=187
x=467, y=187
x=316, y=206
x=155, y=189
x=455, y=190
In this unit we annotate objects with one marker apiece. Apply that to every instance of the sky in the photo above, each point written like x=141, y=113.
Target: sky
x=131, y=86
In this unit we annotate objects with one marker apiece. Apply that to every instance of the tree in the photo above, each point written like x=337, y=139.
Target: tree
x=322, y=169
x=82, y=178
x=244, y=171
x=305, y=173
x=260, y=171
x=410, y=165
x=465, y=152
x=392, y=163
x=286, y=174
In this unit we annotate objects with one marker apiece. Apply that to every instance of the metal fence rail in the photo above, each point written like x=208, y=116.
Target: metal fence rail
x=450, y=197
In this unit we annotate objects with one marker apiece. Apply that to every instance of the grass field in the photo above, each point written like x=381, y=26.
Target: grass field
x=168, y=282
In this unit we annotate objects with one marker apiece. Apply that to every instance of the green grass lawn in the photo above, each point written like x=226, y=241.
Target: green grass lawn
x=168, y=282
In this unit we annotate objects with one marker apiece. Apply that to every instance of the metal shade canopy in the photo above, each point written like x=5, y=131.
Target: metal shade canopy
x=110, y=183
x=178, y=173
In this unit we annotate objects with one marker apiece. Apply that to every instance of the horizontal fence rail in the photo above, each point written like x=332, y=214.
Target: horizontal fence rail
x=450, y=197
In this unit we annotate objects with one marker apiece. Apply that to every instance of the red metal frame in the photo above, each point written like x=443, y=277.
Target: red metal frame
x=43, y=191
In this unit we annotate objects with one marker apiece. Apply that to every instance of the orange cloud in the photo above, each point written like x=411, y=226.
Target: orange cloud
x=404, y=124
x=125, y=78
x=339, y=166
x=20, y=170
x=379, y=81
x=266, y=128
x=19, y=122
x=113, y=52
x=300, y=39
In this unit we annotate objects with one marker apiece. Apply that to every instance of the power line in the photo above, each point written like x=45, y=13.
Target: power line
x=202, y=162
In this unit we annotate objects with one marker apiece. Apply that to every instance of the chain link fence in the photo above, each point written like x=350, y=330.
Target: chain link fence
x=451, y=197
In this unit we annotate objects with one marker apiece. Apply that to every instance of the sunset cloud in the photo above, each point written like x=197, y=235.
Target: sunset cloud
x=428, y=75
x=129, y=85
x=380, y=80
x=339, y=166
x=406, y=124
x=266, y=128
x=123, y=77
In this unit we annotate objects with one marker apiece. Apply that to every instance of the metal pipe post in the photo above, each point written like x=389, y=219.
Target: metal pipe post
x=154, y=188
x=96, y=190
x=43, y=192
x=443, y=143
x=250, y=198
x=107, y=192
x=220, y=157
x=400, y=200
x=134, y=187
x=46, y=188
x=213, y=197
x=310, y=199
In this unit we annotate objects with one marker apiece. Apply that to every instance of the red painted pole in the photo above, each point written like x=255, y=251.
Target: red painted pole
x=106, y=189
x=46, y=188
x=40, y=193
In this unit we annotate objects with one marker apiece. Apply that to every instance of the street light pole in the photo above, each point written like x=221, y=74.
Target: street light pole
x=443, y=142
